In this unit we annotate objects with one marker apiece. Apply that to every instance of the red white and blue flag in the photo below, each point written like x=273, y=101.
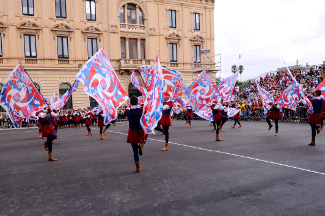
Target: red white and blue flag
x=141, y=100
x=179, y=103
x=153, y=106
x=226, y=87
x=64, y=99
x=266, y=97
x=321, y=87
x=293, y=95
x=174, y=83
x=201, y=94
x=135, y=81
x=231, y=112
x=147, y=75
x=19, y=96
x=101, y=82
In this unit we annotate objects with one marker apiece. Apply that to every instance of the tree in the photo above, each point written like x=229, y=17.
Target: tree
x=241, y=69
x=234, y=69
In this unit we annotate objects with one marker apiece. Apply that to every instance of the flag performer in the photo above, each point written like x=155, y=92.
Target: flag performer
x=89, y=115
x=188, y=115
x=322, y=117
x=166, y=120
x=217, y=116
x=315, y=118
x=136, y=135
x=237, y=117
x=275, y=114
x=48, y=130
x=100, y=117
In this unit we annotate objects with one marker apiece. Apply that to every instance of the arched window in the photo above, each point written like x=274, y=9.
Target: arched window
x=133, y=91
x=1, y=108
x=64, y=87
x=93, y=102
x=134, y=14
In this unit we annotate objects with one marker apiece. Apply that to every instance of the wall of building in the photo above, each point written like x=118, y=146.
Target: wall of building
x=49, y=72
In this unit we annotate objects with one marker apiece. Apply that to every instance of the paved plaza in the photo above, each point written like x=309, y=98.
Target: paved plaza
x=251, y=172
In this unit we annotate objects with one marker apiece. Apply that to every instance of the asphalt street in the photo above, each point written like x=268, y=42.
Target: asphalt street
x=251, y=172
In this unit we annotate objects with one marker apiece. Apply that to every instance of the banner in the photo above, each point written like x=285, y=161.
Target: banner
x=135, y=81
x=19, y=96
x=226, y=87
x=321, y=87
x=64, y=99
x=201, y=95
x=152, y=110
x=266, y=97
x=101, y=82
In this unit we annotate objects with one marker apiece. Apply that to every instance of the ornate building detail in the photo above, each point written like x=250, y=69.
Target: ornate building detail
x=61, y=30
x=92, y=32
x=28, y=28
x=173, y=38
x=197, y=40
x=152, y=31
x=113, y=28
x=3, y=29
x=141, y=3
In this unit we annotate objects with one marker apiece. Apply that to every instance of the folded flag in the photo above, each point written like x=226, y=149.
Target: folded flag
x=101, y=82
x=231, y=112
x=64, y=99
x=19, y=96
x=135, y=81
x=266, y=97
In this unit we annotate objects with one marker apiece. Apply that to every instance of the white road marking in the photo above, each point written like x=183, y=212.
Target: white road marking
x=235, y=155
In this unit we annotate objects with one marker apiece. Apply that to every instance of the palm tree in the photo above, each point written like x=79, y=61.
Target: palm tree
x=234, y=69
x=240, y=69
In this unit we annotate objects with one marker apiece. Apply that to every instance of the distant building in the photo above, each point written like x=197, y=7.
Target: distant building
x=53, y=39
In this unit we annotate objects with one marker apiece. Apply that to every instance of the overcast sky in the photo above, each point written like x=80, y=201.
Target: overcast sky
x=268, y=33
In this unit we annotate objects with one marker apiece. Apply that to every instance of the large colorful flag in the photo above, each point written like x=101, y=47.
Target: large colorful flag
x=147, y=75
x=266, y=97
x=231, y=112
x=179, y=103
x=135, y=81
x=226, y=87
x=292, y=95
x=201, y=95
x=321, y=87
x=55, y=98
x=153, y=105
x=174, y=83
x=101, y=82
x=64, y=99
x=20, y=97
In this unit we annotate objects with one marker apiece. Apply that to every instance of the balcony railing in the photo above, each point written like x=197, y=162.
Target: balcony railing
x=133, y=63
x=124, y=27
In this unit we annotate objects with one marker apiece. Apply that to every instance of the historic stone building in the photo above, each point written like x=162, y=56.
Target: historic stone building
x=54, y=38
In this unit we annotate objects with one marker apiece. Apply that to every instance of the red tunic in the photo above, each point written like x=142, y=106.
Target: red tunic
x=166, y=119
x=323, y=112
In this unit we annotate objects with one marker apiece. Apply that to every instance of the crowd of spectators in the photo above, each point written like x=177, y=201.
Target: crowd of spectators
x=276, y=83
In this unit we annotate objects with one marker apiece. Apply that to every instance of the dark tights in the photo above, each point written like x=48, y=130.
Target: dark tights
x=236, y=121
x=88, y=128
x=100, y=130
x=188, y=119
x=52, y=136
x=276, y=121
x=135, y=148
x=313, y=130
x=166, y=131
x=218, y=123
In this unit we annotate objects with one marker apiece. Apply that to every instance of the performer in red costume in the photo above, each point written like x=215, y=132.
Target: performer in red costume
x=275, y=114
x=189, y=115
x=48, y=130
x=136, y=135
x=166, y=120
x=315, y=118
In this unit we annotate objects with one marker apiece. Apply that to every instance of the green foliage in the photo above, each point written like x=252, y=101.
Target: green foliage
x=234, y=69
x=241, y=69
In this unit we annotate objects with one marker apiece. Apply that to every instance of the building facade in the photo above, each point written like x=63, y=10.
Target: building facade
x=53, y=39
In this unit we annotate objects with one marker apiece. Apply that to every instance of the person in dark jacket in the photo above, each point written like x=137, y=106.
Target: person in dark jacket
x=136, y=135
